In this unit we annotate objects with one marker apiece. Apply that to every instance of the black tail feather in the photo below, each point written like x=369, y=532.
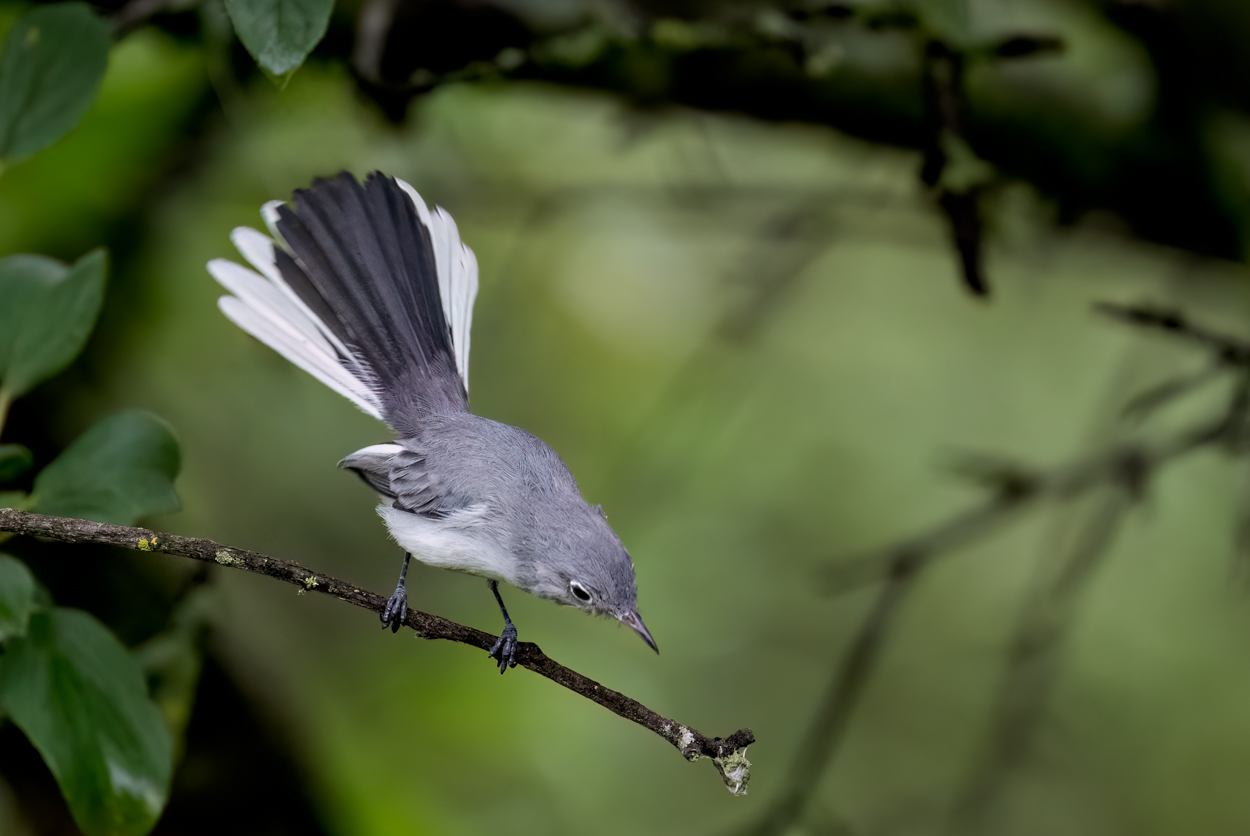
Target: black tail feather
x=364, y=264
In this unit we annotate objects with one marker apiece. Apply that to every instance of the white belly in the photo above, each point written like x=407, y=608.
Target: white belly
x=456, y=542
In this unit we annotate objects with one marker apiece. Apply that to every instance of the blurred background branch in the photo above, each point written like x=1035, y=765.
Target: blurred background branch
x=1123, y=473
x=1131, y=465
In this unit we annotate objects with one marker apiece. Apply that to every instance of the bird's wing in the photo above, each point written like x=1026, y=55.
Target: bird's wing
x=400, y=474
x=418, y=489
x=373, y=465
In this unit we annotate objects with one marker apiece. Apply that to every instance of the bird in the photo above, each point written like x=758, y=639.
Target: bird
x=371, y=291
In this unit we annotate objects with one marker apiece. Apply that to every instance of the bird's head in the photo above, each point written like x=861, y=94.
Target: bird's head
x=593, y=572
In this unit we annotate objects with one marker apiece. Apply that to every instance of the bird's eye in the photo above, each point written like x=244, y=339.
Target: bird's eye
x=579, y=591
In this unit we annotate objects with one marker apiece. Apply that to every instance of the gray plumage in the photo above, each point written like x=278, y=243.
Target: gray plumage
x=372, y=293
x=511, y=492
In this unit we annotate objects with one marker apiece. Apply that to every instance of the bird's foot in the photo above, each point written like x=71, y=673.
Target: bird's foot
x=504, y=650
x=396, y=610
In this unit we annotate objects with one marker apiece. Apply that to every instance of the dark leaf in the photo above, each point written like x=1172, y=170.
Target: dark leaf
x=15, y=459
x=121, y=469
x=79, y=697
x=53, y=61
x=280, y=33
x=17, y=597
x=47, y=311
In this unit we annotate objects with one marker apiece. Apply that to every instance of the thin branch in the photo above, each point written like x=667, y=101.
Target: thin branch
x=828, y=728
x=1143, y=404
x=945, y=537
x=1230, y=350
x=944, y=95
x=1021, y=489
x=728, y=754
x=1034, y=659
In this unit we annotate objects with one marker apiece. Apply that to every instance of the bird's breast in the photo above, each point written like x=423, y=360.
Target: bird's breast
x=461, y=541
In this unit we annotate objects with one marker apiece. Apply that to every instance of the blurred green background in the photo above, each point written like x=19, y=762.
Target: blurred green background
x=750, y=342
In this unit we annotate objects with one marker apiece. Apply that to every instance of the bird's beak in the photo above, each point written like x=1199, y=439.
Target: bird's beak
x=631, y=618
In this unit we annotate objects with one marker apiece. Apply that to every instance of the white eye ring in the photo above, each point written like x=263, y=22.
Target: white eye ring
x=579, y=592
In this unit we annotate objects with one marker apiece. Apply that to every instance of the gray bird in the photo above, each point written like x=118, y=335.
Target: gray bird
x=371, y=292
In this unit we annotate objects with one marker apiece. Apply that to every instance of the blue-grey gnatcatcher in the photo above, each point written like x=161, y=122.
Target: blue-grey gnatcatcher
x=371, y=292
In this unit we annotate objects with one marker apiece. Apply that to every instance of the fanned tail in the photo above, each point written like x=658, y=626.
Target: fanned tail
x=369, y=291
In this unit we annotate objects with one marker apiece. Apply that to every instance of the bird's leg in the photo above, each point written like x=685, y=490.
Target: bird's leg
x=397, y=608
x=505, y=649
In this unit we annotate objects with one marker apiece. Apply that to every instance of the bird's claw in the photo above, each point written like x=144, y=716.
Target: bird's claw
x=504, y=650
x=396, y=611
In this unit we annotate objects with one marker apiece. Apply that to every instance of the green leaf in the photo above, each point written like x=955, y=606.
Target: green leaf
x=79, y=697
x=15, y=459
x=13, y=499
x=17, y=597
x=121, y=469
x=53, y=61
x=47, y=311
x=280, y=33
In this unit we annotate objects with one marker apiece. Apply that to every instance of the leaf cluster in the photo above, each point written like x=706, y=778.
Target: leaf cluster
x=54, y=58
x=66, y=681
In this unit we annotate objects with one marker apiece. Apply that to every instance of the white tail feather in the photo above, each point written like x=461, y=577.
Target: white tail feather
x=460, y=298
x=457, y=276
x=269, y=214
x=258, y=249
x=265, y=312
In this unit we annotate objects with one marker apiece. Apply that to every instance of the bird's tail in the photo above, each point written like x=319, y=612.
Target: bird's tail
x=366, y=289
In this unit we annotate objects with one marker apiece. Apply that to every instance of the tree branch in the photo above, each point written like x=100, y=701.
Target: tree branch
x=1019, y=489
x=828, y=728
x=1034, y=658
x=728, y=754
